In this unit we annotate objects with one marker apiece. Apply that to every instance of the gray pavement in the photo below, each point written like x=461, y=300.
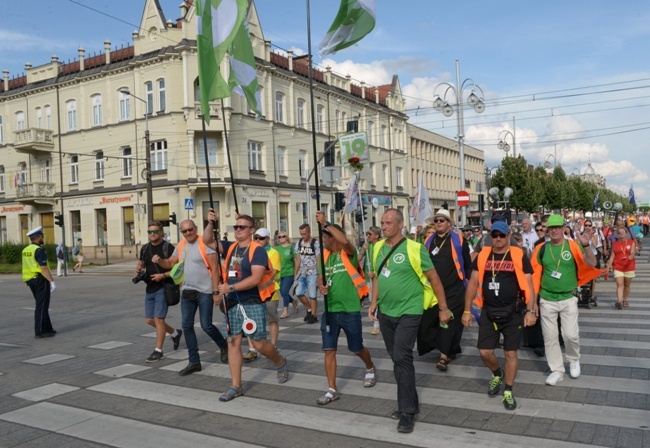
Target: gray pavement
x=90, y=387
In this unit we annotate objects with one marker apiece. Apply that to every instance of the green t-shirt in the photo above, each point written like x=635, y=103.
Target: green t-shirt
x=401, y=292
x=342, y=296
x=288, y=255
x=558, y=258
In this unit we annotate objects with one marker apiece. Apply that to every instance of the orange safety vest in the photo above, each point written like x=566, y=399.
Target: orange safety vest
x=266, y=286
x=586, y=273
x=456, y=242
x=202, y=250
x=517, y=256
x=357, y=278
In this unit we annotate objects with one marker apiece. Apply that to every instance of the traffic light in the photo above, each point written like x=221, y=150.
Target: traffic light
x=357, y=216
x=58, y=219
x=339, y=201
x=329, y=154
x=172, y=218
x=481, y=203
x=364, y=209
x=445, y=206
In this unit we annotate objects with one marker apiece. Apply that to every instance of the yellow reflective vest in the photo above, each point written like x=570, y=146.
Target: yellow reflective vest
x=31, y=268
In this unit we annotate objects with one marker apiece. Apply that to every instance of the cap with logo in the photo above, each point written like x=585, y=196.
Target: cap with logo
x=263, y=232
x=36, y=231
x=555, y=221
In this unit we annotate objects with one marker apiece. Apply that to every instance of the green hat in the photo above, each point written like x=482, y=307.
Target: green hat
x=555, y=221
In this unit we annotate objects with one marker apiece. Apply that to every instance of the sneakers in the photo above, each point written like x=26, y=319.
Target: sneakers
x=554, y=378
x=374, y=331
x=177, y=339
x=369, y=378
x=307, y=316
x=330, y=396
x=155, y=356
x=495, y=385
x=574, y=369
x=406, y=423
x=311, y=319
x=509, y=401
x=250, y=356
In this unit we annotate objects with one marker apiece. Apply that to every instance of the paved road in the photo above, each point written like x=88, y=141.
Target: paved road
x=90, y=387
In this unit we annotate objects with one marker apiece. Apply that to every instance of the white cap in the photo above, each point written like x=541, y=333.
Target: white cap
x=444, y=213
x=413, y=229
x=35, y=232
x=263, y=232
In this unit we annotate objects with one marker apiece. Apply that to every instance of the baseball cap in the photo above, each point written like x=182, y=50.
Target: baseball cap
x=500, y=226
x=555, y=221
x=467, y=227
x=497, y=217
x=263, y=232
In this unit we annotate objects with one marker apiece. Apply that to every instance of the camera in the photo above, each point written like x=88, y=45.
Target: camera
x=142, y=275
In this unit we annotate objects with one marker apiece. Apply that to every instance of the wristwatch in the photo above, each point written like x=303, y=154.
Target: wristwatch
x=232, y=288
x=327, y=224
x=530, y=311
x=215, y=293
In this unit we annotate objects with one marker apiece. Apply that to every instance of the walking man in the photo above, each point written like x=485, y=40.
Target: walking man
x=263, y=238
x=78, y=250
x=404, y=286
x=198, y=291
x=39, y=279
x=155, y=305
x=528, y=234
x=307, y=252
x=560, y=266
x=372, y=236
x=60, y=259
x=344, y=290
x=499, y=297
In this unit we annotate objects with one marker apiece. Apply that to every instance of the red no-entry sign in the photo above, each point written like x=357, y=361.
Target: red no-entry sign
x=462, y=198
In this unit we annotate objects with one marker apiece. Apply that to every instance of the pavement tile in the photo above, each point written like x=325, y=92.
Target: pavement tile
x=617, y=399
x=642, y=353
x=611, y=351
x=635, y=401
x=589, y=369
x=577, y=395
x=598, y=397
x=606, y=371
x=538, y=427
x=640, y=374
x=598, y=350
x=582, y=432
x=630, y=438
x=622, y=372
x=498, y=422
x=605, y=435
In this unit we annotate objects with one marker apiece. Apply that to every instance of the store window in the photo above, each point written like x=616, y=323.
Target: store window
x=259, y=214
x=47, y=222
x=75, y=225
x=4, y=237
x=129, y=226
x=284, y=217
x=102, y=226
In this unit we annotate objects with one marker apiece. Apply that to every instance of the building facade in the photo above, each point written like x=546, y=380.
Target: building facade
x=72, y=141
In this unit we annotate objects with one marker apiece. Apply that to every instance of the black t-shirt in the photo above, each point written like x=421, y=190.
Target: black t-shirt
x=504, y=275
x=443, y=262
x=240, y=267
x=146, y=254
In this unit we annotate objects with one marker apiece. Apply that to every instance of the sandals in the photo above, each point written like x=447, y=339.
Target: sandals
x=330, y=396
x=619, y=305
x=283, y=372
x=231, y=393
x=285, y=314
x=369, y=379
x=625, y=304
x=443, y=363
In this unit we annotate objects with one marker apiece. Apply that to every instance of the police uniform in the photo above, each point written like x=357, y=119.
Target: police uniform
x=34, y=256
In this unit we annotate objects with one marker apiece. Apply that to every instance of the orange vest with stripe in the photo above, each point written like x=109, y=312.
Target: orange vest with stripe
x=517, y=256
x=357, y=278
x=266, y=287
x=202, y=250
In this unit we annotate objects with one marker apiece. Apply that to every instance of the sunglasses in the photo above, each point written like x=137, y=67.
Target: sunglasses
x=438, y=220
x=587, y=225
x=282, y=236
x=236, y=227
x=152, y=232
x=259, y=238
x=498, y=235
x=539, y=230
x=187, y=230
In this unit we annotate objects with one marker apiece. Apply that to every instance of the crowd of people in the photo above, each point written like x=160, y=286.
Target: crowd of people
x=516, y=281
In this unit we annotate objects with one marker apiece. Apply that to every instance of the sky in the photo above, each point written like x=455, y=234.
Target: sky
x=574, y=75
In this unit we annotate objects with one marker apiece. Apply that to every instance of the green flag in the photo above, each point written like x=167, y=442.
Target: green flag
x=217, y=22
x=243, y=74
x=355, y=19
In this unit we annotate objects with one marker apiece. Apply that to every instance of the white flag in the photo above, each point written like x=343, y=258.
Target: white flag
x=355, y=19
x=421, y=208
x=352, y=195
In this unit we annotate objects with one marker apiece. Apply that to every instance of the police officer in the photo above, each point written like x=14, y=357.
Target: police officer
x=39, y=279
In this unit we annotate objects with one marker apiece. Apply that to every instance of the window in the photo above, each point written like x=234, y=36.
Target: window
x=148, y=87
x=99, y=165
x=46, y=175
x=302, y=159
x=125, y=106
x=2, y=136
x=75, y=225
x=370, y=127
x=259, y=214
x=282, y=161
x=337, y=114
x=212, y=151
x=384, y=174
x=300, y=115
x=22, y=173
x=284, y=216
x=97, y=110
x=74, y=169
x=127, y=163
x=159, y=155
x=102, y=227
x=319, y=118
x=162, y=103
x=48, y=117
x=197, y=91
x=20, y=121
x=39, y=118
x=71, y=107
x=129, y=226
x=255, y=156
x=382, y=137
x=2, y=179
x=279, y=107
x=398, y=177
x=373, y=174
x=4, y=236
x=343, y=121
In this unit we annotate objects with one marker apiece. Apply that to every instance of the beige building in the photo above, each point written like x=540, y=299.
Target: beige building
x=439, y=158
x=72, y=140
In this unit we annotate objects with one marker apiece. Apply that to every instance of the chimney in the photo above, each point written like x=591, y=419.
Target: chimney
x=134, y=35
x=290, y=56
x=267, y=50
x=348, y=83
x=328, y=75
x=363, y=90
x=107, y=49
x=377, y=95
x=28, y=66
x=82, y=60
x=5, y=79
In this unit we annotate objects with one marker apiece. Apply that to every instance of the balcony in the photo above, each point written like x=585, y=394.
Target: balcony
x=34, y=141
x=36, y=193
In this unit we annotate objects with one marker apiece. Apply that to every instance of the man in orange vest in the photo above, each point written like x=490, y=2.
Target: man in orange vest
x=344, y=289
x=500, y=273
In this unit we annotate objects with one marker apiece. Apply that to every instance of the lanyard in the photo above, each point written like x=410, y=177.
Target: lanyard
x=496, y=271
x=557, y=262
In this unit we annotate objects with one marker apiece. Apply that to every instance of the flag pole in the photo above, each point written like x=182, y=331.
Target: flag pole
x=313, y=141
x=232, y=178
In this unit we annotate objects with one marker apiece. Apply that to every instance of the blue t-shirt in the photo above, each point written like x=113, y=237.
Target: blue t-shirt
x=238, y=268
x=41, y=256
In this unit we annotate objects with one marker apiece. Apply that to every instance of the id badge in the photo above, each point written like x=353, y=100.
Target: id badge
x=493, y=286
x=435, y=251
x=556, y=275
x=385, y=272
x=232, y=274
x=329, y=282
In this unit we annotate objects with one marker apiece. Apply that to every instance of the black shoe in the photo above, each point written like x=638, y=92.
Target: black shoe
x=307, y=316
x=191, y=368
x=539, y=351
x=406, y=423
x=312, y=319
x=44, y=335
x=397, y=414
x=177, y=339
x=155, y=356
x=53, y=331
x=224, y=354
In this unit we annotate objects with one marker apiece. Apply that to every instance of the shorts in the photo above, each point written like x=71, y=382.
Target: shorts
x=350, y=323
x=488, y=336
x=272, y=311
x=155, y=305
x=626, y=274
x=254, y=311
x=307, y=284
x=80, y=258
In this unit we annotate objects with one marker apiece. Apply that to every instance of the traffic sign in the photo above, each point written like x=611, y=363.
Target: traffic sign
x=189, y=204
x=463, y=198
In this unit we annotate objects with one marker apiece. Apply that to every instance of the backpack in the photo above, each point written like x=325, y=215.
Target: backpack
x=312, y=244
x=60, y=254
x=75, y=250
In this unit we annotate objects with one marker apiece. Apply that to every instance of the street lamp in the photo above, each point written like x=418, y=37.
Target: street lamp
x=147, y=156
x=494, y=194
x=503, y=144
x=473, y=100
x=547, y=164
